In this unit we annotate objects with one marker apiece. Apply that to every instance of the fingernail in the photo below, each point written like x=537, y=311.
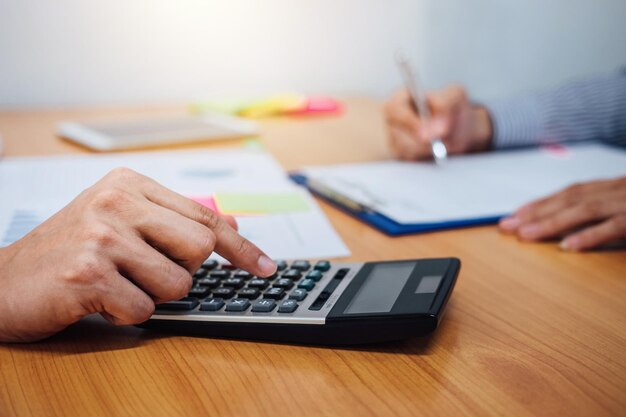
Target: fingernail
x=570, y=244
x=510, y=223
x=266, y=265
x=530, y=231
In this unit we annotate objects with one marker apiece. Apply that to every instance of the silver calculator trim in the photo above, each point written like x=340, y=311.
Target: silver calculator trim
x=301, y=316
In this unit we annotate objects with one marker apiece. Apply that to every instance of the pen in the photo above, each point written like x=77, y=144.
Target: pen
x=324, y=191
x=418, y=98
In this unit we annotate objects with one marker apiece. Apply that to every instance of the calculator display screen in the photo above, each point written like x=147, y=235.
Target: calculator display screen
x=380, y=290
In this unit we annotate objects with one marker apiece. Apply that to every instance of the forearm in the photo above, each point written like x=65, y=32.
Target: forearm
x=591, y=109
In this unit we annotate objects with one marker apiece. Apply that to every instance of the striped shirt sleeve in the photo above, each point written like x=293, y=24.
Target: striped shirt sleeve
x=590, y=109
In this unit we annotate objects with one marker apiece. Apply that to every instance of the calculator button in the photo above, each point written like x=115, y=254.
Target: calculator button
x=298, y=294
x=224, y=292
x=307, y=284
x=301, y=265
x=263, y=306
x=243, y=274
x=342, y=273
x=292, y=274
x=322, y=266
x=249, y=293
x=209, y=282
x=288, y=306
x=210, y=264
x=274, y=293
x=258, y=283
x=238, y=304
x=233, y=282
x=220, y=273
x=281, y=265
x=315, y=275
x=199, y=291
x=228, y=267
x=212, y=304
x=283, y=283
x=200, y=273
x=187, y=303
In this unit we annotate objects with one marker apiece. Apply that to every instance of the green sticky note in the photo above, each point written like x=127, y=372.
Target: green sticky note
x=265, y=203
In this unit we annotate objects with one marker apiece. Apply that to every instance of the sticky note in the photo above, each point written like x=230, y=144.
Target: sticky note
x=260, y=203
x=208, y=202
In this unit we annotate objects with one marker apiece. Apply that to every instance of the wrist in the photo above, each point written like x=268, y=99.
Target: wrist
x=482, y=129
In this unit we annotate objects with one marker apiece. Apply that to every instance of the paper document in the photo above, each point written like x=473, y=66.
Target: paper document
x=467, y=187
x=32, y=189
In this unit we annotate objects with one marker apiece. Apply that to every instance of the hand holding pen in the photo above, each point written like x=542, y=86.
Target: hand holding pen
x=425, y=126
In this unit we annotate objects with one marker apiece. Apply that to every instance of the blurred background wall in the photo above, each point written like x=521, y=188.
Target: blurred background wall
x=74, y=52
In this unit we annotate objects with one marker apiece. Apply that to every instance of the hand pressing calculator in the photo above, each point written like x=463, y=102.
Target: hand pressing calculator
x=314, y=303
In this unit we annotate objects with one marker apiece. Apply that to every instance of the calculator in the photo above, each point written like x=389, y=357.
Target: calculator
x=318, y=302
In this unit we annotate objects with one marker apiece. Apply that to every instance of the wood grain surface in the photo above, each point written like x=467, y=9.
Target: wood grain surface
x=529, y=330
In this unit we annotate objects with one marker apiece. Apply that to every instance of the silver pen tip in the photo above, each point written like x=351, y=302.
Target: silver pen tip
x=439, y=150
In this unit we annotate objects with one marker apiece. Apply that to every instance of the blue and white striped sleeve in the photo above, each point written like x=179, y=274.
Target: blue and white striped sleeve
x=590, y=109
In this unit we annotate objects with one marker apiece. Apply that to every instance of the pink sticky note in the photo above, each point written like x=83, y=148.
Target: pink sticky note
x=557, y=150
x=208, y=202
x=319, y=105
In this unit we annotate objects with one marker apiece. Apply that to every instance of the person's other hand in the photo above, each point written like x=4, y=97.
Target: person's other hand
x=586, y=215
x=119, y=248
x=461, y=126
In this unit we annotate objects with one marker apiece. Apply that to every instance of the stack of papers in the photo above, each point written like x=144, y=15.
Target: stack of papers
x=281, y=218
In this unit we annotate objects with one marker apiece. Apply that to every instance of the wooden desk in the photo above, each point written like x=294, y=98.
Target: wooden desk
x=530, y=330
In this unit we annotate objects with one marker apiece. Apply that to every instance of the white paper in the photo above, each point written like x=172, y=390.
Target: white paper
x=32, y=189
x=471, y=186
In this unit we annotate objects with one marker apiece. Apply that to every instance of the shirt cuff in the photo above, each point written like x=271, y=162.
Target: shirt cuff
x=516, y=122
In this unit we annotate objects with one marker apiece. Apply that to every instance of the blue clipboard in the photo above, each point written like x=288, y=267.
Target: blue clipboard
x=384, y=223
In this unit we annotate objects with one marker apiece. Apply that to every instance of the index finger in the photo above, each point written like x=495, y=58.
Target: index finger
x=230, y=244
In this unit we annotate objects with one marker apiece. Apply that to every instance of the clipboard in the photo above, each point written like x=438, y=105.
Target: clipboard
x=380, y=221
x=400, y=198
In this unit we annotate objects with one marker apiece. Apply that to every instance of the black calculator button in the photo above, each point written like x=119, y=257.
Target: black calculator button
x=292, y=274
x=228, y=267
x=258, y=283
x=238, y=304
x=220, y=273
x=288, y=306
x=274, y=293
x=210, y=264
x=281, y=265
x=224, y=292
x=233, y=282
x=199, y=291
x=307, y=284
x=200, y=273
x=298, y=294
x=283, y=283
x=315, y=275
x=263, y=305
x=341, y=273
x=301, y=265
x=322, y=266
x=212, y=304
x=249, y=293
x=187, y=303
x=209, y=282
x=243, y=274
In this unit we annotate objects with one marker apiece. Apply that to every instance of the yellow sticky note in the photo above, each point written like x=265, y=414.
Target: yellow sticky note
x=260, y=203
